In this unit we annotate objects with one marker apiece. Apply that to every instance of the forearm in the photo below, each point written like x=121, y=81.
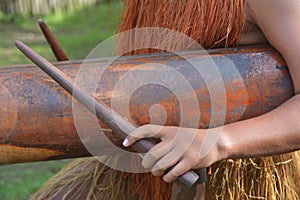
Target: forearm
x=273, y=133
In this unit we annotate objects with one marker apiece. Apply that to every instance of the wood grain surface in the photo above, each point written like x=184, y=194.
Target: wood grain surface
x=37, y=120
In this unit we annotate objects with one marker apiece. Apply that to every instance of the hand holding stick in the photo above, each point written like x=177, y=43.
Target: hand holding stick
x=113, y=120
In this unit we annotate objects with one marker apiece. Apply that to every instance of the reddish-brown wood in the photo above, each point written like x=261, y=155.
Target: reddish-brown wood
x=36, y=113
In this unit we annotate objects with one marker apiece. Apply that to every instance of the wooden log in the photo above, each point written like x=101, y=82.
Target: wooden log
x=36, y=114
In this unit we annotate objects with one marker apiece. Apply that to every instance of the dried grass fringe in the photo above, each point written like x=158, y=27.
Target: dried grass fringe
x=88, y=178
x=270, y=178
x=212, y=23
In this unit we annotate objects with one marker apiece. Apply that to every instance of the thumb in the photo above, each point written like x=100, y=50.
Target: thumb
x=143, y=132
x=129, y=140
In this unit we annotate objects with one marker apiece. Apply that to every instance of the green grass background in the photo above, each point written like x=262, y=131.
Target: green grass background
x=78, y=32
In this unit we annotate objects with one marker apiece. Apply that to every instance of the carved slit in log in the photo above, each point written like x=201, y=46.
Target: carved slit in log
x=36, y=114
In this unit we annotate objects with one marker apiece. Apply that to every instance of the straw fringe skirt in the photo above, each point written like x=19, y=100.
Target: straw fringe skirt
x=269, y=178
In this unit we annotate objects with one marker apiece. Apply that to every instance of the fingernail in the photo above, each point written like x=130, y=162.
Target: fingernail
x=125, y=142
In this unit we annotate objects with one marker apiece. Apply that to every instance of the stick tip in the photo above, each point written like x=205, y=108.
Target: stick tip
x=40, y=21
x=18, y=43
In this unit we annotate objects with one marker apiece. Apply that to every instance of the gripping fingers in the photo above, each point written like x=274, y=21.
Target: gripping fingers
x=182, y=167
x=167, y=161
x=158, y=172
x=156, y=153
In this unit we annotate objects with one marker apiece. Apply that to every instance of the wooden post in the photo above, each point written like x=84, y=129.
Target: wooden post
x=36, y=113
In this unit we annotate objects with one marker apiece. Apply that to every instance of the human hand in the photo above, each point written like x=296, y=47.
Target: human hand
x=186, y=148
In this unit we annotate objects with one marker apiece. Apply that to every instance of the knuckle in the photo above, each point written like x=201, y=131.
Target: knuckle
x=175, y=173
x=150, y=156
x=158, y=166
x=145, y=164
x=149, y=160
x=158, y=173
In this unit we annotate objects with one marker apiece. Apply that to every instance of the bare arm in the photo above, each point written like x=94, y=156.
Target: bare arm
x=280, y=22
x=273, y=133
x=277, y=131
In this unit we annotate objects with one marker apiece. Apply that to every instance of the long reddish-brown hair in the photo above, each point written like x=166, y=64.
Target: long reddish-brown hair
x=212, y=23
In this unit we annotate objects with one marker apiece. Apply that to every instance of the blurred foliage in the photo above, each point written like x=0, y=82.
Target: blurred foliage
x=78, y=32
x=19, y=181
x=33, y=7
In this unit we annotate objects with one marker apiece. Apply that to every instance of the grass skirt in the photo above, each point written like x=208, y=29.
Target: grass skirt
x=269, y=178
